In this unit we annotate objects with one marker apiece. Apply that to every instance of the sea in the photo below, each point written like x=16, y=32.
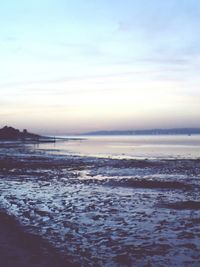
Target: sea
x=129, y=146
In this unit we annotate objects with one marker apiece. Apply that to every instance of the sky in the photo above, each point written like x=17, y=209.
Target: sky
x=72, y=66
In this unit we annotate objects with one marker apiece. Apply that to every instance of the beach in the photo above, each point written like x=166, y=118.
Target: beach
x=21, y=249
x=98, y=211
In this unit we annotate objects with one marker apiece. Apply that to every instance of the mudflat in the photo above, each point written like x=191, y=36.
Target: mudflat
x=21, y=249
x=97, y=211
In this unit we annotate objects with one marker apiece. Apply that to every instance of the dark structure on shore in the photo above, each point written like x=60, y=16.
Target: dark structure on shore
x=10, y=133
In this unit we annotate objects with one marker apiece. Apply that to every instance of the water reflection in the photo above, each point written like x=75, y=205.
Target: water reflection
x=129, y=146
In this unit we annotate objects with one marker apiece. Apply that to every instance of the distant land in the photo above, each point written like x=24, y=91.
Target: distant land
x=173, y=131
x=12, y=134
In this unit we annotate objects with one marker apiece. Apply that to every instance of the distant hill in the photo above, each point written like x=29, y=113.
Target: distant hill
x=174, y=131
x=10, y=133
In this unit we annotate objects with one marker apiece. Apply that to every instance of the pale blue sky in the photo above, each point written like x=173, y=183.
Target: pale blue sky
x=75, y=66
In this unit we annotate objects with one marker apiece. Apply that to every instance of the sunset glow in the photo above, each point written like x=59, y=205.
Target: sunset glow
x=78, y=66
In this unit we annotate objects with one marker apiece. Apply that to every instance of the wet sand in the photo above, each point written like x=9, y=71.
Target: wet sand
x=21, y=249
x=98, y=212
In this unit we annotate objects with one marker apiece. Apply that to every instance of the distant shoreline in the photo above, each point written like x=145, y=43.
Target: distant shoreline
x=172, y=131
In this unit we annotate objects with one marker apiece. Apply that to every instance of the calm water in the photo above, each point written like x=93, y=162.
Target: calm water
x=176, y=146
